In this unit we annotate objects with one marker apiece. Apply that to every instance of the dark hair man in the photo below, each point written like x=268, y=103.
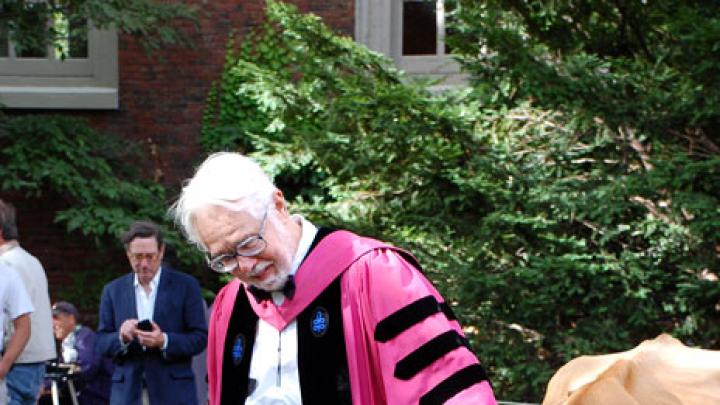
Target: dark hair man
x=315, y=315
x=151, y=322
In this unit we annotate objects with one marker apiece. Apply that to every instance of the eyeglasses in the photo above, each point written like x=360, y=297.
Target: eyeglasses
x=138, y=257
x=249, y=247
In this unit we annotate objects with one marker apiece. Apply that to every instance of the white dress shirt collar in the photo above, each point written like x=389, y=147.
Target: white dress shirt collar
x=153, y=283
x=308, y=233
x=145, y=302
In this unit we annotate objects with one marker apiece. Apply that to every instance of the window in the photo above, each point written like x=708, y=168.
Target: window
x=421, y=27
x=78, y=71
x=412, y=33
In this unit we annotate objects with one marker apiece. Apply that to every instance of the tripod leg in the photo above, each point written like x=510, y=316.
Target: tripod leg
x=73, y=395
x=54, y=393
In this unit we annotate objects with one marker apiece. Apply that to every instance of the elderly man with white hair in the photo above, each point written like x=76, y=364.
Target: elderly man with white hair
x=316, y=315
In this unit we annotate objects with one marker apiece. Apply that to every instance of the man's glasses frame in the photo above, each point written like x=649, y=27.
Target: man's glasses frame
x=248, y=247
x=138, y=257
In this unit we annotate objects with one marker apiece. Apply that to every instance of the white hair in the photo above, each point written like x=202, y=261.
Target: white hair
x=225, y=179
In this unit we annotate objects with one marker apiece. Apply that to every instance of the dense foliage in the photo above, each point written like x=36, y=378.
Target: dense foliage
x=648, y=198
x=65, y=155
x=648, y=66
x=551, y=222
x=90, y=177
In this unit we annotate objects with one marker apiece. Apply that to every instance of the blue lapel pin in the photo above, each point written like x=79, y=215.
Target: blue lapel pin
x=320, y=322
x=238, y=349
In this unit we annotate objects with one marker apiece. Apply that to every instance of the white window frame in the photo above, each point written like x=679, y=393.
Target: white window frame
x=47, y=83
x=378, y=25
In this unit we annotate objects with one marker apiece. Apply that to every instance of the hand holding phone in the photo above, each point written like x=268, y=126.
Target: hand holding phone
x=145, y=325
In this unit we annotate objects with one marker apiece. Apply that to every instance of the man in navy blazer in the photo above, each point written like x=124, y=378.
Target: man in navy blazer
x=151, y=323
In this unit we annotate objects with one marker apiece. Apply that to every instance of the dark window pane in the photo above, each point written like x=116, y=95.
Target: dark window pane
x=4, y=51
x=4, y=40
x=32, y=50
x=419, y=28
x=33, y=43
x=78, y=38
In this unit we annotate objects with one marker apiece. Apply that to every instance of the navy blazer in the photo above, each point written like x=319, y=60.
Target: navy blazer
x=179, y=313
x=93, y=381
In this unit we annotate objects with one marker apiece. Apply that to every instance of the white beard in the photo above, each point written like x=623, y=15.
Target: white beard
x=274, y=282
x=283, y=268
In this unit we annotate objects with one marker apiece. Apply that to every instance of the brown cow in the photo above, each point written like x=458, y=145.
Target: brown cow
x=661, y=371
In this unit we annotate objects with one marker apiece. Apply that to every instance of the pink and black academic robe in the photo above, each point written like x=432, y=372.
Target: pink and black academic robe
x=403, y=346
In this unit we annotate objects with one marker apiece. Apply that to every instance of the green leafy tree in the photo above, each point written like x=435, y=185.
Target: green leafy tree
x=100, y=192
x=646, y=66
x=553, y=231
x=646, y=71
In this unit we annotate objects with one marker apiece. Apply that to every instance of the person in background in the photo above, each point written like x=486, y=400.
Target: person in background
x=151, y=323
x=77, y=342
x=15, y=304
x=317, y=315
x=25, y=378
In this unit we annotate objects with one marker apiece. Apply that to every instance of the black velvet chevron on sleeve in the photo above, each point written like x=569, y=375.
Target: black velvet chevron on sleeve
x=409, y=315
x=428, y=353
x=454, y=384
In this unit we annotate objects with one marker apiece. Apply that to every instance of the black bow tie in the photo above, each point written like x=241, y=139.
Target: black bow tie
x=288, y=291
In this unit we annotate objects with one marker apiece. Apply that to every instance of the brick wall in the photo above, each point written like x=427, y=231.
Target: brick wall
x=161, y=104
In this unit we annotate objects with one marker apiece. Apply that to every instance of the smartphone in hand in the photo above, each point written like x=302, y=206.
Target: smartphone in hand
x=145, y=325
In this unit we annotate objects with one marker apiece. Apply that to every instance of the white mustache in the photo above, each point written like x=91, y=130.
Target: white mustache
x=259, y=268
